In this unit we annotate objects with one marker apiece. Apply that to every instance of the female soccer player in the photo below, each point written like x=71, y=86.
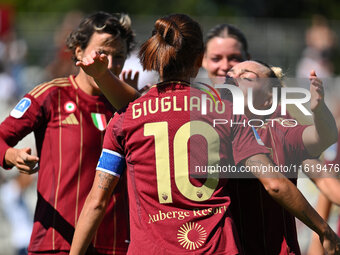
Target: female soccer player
x=264, y=226
x=153, y=138
x=68, y=117
x=225, y=46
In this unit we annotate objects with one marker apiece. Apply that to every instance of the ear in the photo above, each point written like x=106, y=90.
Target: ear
x=79, y=53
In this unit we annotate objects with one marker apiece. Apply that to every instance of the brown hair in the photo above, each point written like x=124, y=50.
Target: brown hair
x=117, y=24
x=228, y=31
x=172, y=49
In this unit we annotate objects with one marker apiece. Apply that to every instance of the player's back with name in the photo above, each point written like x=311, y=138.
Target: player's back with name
x=159, y=187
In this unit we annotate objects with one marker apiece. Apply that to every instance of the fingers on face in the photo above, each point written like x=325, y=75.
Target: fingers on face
x=79, y=63
x=89, y=60
x=94, y=54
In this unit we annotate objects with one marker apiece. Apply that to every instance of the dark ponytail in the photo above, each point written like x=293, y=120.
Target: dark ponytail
x=175, y=43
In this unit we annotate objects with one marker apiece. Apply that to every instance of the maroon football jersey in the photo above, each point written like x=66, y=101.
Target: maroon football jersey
x=263, y=225
x=160, y=135
x=69, y=126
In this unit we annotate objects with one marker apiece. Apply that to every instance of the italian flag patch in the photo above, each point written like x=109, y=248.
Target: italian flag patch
x=99, y=120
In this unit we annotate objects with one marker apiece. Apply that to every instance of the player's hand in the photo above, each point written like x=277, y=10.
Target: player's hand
x=317, y=91
x=95, y=64
x=22, y=159
x=330, y=242
x=126, y=76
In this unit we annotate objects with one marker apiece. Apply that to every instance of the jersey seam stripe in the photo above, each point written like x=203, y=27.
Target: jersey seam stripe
x=51, y=81
x=37, y=88
x=73, y=82
x=41, y=86
x=80, y=161
x=50, y=86
x=59, y=171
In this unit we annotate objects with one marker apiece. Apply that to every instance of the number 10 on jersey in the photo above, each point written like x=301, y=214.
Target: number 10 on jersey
x=160, y=132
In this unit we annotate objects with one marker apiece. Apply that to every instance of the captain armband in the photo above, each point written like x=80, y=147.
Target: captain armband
x=111, y=162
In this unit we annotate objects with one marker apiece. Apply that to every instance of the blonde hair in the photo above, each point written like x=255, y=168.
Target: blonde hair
x=276, y=76
x=279, y=74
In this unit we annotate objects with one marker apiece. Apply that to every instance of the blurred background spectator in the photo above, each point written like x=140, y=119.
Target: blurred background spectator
x=14, y=201
x=320, y=49
x=61, y=64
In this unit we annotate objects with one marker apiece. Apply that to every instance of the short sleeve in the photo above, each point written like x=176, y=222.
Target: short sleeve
x=112, y=159
x=246, y=141
x=294, y=147
x=114, y=135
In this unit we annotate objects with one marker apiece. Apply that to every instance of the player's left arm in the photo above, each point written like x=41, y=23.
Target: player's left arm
x=323, y=133
x=93, y=211
x=283, y=190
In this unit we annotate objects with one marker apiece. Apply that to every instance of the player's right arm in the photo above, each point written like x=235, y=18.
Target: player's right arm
x=93, y=211
x=323, y=207
x=118, y=92
x=22, y=159
x=13, y=129
x=287, y=195
x=110, y=166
